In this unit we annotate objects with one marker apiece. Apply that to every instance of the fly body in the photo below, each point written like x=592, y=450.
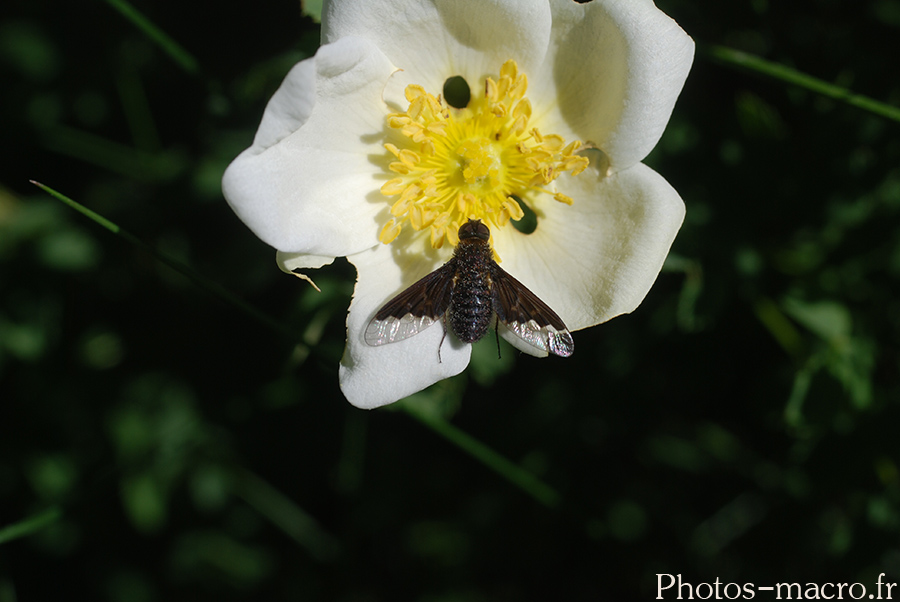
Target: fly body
x=471, y=296
x=469, y=292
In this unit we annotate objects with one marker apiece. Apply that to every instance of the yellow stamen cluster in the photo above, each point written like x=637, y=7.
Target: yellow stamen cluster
x=457, y=164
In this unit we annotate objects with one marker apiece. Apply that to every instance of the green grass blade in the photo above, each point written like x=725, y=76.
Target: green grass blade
x=205, y=283
x=29, y=525
x=169, y=46
x=510, y=471
x=79, y=208
x=730, y=56
x=133, y=163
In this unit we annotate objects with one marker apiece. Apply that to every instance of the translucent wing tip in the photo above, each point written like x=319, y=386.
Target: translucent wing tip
x=391, y=329
x=561, y=343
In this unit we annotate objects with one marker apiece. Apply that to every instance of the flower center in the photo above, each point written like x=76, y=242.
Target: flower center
x=457, y=164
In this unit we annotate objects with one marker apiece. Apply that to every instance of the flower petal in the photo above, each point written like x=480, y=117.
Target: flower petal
x=297, y=264
x=288, y=262
x=599, y=257
x=613, y=72
x=290, y=106
x=433, y=40
x=310, y=182
x=376, y=376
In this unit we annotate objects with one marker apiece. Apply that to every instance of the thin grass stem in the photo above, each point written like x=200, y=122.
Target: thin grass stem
x=199, y=280
x=181, y=56
x=510, y=471
x=282, y=512
x=730, y=56
x=29, y=525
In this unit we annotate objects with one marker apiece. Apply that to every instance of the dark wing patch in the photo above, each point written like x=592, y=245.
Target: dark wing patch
x=527, y=317
x=413, y=310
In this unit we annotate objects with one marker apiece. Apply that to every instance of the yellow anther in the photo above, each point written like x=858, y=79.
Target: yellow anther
x=509, y=69
x=409, y=158
x=552, y=142
x=392, y=187
x=401, y=207
x=513, y=209
x=398, y=167
x=414, y=91
x=452, y=233
x=390, y=231
x=518, y=126
x=490, y=90
x=397, y=121
x=523, y=109
x=572, y=148
x=519, y=88
x=416, y=217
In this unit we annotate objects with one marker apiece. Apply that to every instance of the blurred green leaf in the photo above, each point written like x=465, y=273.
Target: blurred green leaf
x=52, y=476
x=145, y=502
x=837, y=530
x=101, y=349
x=29, y=50
x=758, y=118
x=887, y=11
x=210, y=486
x=130, y=586
x=68, y=250
x=26, y=341
x=829, y=320
x=221, y=559
x=849, y=359
x=728, y=523
x=627, y=521
x=440, y=542
x=678, y=452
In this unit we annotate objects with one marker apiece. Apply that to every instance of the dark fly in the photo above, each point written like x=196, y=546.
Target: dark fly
x=470, y=292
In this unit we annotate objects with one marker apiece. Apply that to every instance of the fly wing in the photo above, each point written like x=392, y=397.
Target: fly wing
x=528, y=318
x=413, y=310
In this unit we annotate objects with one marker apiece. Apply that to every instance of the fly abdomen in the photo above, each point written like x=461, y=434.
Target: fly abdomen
x=471, y=308
x=471, y=301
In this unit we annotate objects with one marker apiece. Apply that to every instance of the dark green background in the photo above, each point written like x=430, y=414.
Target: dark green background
x=741, y=424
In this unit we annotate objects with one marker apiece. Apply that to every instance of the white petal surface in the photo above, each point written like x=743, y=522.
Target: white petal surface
x=613, y=72
x=375, y=376
x=312, y=186
x=290, y=106
x=599, y=257
x=435, y=39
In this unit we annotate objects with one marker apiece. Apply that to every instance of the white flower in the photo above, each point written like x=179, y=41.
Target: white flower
x=357, y=157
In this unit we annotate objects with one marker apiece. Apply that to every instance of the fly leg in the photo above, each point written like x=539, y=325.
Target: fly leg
x=443, y=336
